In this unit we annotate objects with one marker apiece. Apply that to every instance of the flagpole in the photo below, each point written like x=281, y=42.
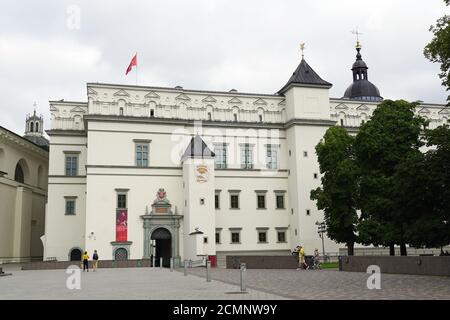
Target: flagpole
x=136, y=70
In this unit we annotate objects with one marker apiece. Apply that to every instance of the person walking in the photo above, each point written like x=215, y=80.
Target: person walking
x=95, y=261
x=316, y=259
x=85, y=259
x=301, y=258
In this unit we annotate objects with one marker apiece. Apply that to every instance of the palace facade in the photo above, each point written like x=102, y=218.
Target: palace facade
x=140, y=171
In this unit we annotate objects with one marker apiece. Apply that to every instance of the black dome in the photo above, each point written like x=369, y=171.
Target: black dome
x=363, y=90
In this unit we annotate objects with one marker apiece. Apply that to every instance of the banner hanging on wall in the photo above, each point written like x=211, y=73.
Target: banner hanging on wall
x=121, y=225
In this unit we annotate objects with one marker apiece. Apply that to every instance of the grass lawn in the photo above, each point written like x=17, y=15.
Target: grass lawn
x=329, y=265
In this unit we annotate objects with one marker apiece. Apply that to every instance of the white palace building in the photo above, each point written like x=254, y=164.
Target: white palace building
x=141, y=171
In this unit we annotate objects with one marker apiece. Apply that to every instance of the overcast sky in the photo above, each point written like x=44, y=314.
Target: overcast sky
x=248, y=45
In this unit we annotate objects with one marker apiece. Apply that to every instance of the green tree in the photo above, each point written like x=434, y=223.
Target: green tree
x=432, y=229
x=338, y=195
x=438, y=50
x=385, y=144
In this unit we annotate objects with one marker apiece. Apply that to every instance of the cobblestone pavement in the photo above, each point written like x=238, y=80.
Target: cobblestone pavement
x=127, y=283
x=333, y=284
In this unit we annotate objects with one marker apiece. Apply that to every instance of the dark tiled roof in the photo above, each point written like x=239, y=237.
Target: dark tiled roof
x=197, y=148
x=39, y=140
x=305, y=75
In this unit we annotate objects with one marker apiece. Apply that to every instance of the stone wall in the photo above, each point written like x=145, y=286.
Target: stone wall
x=48, y=265
x=262, y=262
x=418, y=265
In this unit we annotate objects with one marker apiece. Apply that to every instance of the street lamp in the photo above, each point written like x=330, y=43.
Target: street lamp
x=321, y=229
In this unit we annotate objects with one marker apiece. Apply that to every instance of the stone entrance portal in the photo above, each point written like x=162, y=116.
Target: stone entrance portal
x=161, y=227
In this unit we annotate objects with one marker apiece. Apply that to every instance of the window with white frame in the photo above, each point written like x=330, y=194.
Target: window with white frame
x=142, y=152
x=272, y=157
x=246, y=156
x=70, y=205
x=71, y=163
x=235, y=234
x=221, y=156
x=281, y=235
x=262, y=235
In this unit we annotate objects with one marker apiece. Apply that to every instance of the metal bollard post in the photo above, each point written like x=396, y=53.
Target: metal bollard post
x=160, y=262
x=171, y=264
x=243, y=277
x=154, y=262
x=185, y=267
x=208, y=271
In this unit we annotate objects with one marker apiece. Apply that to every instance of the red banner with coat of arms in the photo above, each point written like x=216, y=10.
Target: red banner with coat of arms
x=121, y=225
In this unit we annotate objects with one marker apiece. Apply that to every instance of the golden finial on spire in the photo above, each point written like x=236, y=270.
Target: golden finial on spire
x=302, y=48
x=358, y=44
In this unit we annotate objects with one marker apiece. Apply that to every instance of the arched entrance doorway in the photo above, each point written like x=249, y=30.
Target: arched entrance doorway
x=163, y=246
x=75, y=254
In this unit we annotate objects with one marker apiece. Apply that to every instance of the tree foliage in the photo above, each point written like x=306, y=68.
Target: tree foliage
x=338, y=195
x=438, y=50
x=386, y=147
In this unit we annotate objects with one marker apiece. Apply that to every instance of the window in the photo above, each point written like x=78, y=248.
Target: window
x=32, y=126
x=235, y=237
x=363, y=121
x=260, y=118
x=235, y=117
x=70, y=206
x=202, y=201
x=217, y=201
x=205, y=239
x=272, y=157
x=71, y=165
x=18, y=174
x=152, y=113
x=209, y=116
x=121, y=111
x=246, y=156
x=305, y=153
x=142, y=154
x=308, y=212
x=315, y=175
x=342, y=122
x=217, y=236
x=121, y=201
x=221, y=156
x=281, y=236
x=262, y=236
x=261, y=201
x=234, y=201
x=280, y=201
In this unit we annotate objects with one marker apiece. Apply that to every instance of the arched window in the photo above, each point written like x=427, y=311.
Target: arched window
x=121, y=254
x=121, y=111
x=152, y=113
x=31, y=126
x=37, y=126
x=18, y=174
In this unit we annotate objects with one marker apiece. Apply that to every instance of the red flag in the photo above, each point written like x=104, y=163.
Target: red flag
x=132, y=63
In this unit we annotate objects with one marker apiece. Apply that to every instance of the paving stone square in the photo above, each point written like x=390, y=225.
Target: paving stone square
x=334, y=284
